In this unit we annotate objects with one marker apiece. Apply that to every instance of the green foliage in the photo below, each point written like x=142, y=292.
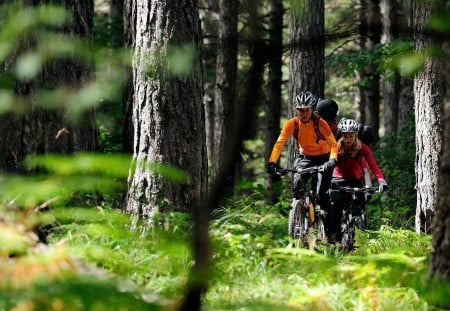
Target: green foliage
x=395, y=155
x=59, y=179
x=440, y=20
x=255, y=265
x=77, y=293
x=42, y=26
x=384, y=57
x=255, y=261
x=157, y=260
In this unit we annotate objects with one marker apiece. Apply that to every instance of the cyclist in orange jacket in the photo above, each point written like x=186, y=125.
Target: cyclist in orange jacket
x=317, y=144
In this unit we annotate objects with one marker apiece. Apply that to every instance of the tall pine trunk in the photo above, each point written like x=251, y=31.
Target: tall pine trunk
x=429, y=90
x=406, y=97
x=372, y=108
x=225, y=87
x=307, y=53
x=440, y=258
x=274, y=88
x=209, y=15
x=168, y=115
x=391, y=85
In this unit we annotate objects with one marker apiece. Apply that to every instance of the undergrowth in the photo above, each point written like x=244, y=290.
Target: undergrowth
x=255, y=265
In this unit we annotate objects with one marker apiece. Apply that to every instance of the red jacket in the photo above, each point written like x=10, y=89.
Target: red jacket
x=351, y=168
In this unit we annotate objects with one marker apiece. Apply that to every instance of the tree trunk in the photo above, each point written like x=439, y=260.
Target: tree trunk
x=225, y=91
x=306, y=66
x=168, y=113
x=129, y=33
x=40, y=130
x=209, y=14
x=307, y=54
x=372, y=108
x=169, y=125
x=406, y=97
x=390, y=84
x=360, y=93
x=429, y=90
x=440, y=258
x=256, y=46
x=274, y=88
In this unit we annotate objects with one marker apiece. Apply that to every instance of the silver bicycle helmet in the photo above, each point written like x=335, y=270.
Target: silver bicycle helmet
x=348, y=125
x=305, y=100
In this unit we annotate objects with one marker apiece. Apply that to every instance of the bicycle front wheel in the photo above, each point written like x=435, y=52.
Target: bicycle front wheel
x=320, y=228
x=348, y=236
x=298, y=222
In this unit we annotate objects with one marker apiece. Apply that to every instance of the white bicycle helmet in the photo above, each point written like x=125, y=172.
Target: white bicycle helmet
x=348, y=126
x=305, y=100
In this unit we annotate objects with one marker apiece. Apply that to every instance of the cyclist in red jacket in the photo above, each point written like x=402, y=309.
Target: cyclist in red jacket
x=349, y=167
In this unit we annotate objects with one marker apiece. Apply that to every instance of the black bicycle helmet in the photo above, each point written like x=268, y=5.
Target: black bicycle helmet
x=327, y=109
x=348, y=125
x=305, y=100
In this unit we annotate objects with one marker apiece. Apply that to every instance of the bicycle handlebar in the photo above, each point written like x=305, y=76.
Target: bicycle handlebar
x=358, y=189
x=312, y=169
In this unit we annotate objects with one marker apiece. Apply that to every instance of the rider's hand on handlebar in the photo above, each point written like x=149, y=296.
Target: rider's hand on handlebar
x=272, y=168
x=328, y=166
x=382, y=185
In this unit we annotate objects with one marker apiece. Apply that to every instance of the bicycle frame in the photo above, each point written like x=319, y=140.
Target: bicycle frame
x=304, y=214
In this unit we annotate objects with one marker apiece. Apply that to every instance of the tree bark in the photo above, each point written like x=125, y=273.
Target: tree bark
x=225, y=88
x=429, y=90
x=209, y=15
x=39, y=130
x=274, y=88
x=168, y=113
x=253, y=35
x=360, y=92
x=372, y=108
x=391, y=84
x=307, y=48
x=129, y=34
x=169, y=125
x=440, y=257
x=406, y=97
x=307, y=53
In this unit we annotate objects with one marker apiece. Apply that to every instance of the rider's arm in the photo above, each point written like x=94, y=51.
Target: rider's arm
x=329, y=137
x=286, y=132
x=367, y=154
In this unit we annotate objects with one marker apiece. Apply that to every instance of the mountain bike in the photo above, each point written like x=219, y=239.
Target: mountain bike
x=305, y=216
x=353, y=212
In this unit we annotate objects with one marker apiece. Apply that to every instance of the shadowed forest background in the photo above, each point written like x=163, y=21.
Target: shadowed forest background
x=135, y=137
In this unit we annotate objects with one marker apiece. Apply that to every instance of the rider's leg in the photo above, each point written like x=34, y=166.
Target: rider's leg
x=300, y=180
x=336, y=210
x=330, y=224
x=323, y=186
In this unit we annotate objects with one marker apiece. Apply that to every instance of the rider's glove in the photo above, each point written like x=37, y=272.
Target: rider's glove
x=382, y=185
x=329, y=165
x=272, y=168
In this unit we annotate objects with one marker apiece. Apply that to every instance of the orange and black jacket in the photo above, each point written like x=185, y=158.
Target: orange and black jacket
x=307, y=139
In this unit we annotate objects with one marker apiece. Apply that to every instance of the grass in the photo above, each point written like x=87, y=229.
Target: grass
x=255, y=266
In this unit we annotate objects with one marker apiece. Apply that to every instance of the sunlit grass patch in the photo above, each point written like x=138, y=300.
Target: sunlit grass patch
x=158, y=260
